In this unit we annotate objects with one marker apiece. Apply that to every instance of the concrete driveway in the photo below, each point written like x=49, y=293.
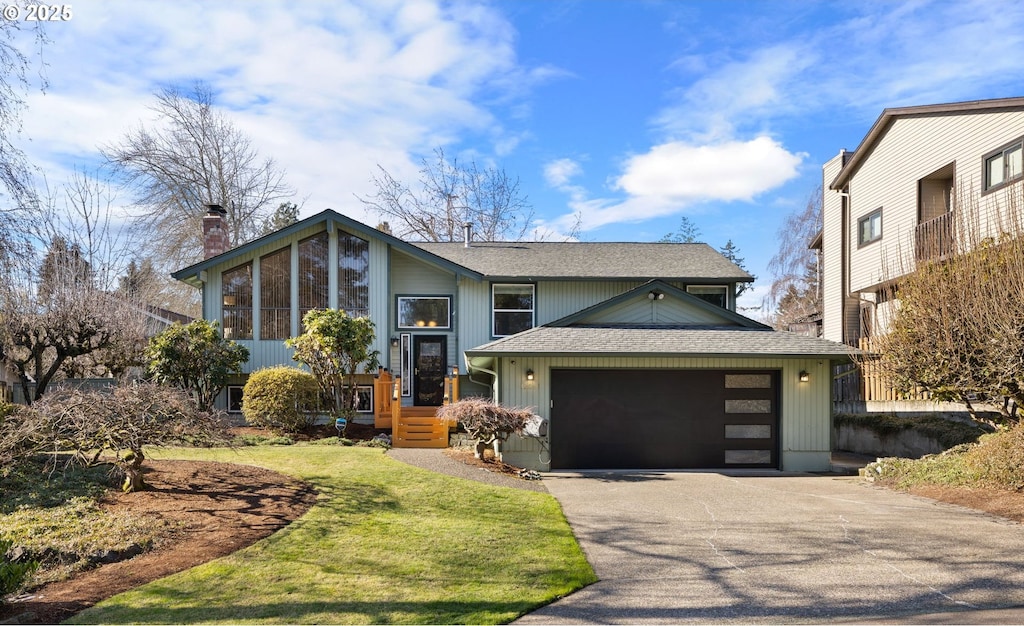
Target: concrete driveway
x=682, y=547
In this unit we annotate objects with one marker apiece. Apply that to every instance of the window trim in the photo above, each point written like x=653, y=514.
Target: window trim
x=725, y=292
x=861, y=242
x=228, y=391
x=398, y=313
x=532, y=309
x=1000, y=151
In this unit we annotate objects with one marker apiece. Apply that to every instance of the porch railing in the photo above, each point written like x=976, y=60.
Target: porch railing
x=933, y=239
x=412, y=426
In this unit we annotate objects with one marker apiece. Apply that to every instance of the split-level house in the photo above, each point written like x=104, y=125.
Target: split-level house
x=920, y=176
x=632, y=352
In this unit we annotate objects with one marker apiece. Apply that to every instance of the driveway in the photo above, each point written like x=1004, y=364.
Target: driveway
x=683, y=547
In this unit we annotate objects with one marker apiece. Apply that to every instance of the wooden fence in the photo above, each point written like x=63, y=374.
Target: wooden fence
x=866, y=382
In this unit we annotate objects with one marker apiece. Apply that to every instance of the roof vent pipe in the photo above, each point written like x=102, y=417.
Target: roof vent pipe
x=467, y=232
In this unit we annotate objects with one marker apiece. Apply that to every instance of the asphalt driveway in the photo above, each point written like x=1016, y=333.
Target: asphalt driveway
x=683, y=547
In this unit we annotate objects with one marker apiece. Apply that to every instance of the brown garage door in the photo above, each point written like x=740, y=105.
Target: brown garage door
x=635, y=419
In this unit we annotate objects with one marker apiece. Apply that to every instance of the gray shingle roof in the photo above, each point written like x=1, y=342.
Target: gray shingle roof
x=663, y=341
x=632, y=261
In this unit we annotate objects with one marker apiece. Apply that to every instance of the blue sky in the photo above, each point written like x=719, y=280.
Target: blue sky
x=629, y=114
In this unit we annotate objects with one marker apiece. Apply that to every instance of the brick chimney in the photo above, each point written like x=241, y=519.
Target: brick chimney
x=215, y=231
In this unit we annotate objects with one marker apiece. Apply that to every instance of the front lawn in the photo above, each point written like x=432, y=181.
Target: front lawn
x=385, y=543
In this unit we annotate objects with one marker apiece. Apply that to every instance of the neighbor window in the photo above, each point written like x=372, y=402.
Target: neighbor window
x=1004, y=166
x=276, y=295
x=424, y=312
x=869, y=227
x=353, y=275
x=715, y=294
x=513, y=309
x=236, y=300
x=313, y=274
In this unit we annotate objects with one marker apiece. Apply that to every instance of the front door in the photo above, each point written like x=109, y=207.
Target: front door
x=430, y=362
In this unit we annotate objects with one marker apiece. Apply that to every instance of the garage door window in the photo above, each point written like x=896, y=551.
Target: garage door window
x=748, y=431
x=747, y=457
x=748, y=406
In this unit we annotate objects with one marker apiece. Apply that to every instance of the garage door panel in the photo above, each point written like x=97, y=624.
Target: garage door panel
x=636, y=419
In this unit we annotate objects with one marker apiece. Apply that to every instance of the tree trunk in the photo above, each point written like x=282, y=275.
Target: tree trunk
x=480, y=448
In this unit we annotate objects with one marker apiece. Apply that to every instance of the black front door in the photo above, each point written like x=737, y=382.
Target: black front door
x=430, y=362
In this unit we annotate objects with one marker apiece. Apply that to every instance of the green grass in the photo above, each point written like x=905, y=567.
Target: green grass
x=385, y=543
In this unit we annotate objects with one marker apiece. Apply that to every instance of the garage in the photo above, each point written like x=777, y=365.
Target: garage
x=661, y=419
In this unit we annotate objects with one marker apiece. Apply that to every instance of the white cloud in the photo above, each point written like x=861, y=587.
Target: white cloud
x=328, y=89
x=731, y=170
x=559, y=172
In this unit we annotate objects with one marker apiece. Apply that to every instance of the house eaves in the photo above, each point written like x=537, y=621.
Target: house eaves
x=193, y=274
x=881, y=125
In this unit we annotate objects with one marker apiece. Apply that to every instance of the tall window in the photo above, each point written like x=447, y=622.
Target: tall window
x=353, y=275
x=313, y=271
x=276, y=295
x=1004, y=165
x=869, y=227
x=512, y=309
x=236, y=300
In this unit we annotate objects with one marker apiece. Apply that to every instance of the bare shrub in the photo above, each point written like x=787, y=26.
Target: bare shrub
x=485, y=421
x=120, y=421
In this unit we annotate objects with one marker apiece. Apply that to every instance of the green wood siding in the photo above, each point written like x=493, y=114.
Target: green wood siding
x=805, y=428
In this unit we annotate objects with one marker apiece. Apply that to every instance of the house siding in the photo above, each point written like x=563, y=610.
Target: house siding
x=832, y=251
x=910, y=149
x=805, y=422
x=412, y=277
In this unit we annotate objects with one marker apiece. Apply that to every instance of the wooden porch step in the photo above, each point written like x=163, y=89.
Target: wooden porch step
x=418, y=427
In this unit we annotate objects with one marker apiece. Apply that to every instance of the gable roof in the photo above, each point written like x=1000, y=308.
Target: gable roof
x=733, y=335
x=688, y=262
x=192, y=273
x=887, y=117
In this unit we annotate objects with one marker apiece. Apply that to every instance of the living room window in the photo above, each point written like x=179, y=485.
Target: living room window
x=869, y=227
x=512, y=309
x=313, y=274
x=236, y=301
x=715, y=294
x=353, y=275
x=423, y=312
x=276, y=295
x=1004, y=165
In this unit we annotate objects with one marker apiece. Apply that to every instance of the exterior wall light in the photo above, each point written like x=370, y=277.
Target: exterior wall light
x=804, y=376
x=394, y=342
x=529, y=374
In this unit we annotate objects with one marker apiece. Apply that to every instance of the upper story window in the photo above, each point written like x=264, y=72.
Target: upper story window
x=353, y=275
x=236, y=301
x=715, y=294
x=869, y=227
x=313, y=274
x=276, y=295
x=512, y=308
x=1004, y=165
x=424, y=312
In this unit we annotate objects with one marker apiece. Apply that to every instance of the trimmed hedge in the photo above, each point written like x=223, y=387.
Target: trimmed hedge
x=283, y=399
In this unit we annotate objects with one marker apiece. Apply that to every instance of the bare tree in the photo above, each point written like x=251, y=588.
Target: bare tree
x=59, y=314
x=959, y=330
x=795, y=291
x=448, y=195
x=194, y=156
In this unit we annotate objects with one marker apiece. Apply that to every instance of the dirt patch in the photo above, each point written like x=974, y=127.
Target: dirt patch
x=213, y=509
x=488, y=463
x=1001, y=502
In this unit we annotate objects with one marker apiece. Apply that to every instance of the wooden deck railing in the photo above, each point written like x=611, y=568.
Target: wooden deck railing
x=933, y=240
x=411, y=426
x=869, y=383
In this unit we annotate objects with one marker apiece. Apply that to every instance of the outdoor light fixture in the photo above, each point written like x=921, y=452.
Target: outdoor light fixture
x=529, y=374
x=394, y=342
x=455, y=370
x=804, y=376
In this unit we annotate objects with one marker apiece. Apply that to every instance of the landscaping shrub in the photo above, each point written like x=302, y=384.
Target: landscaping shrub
x=485, y=421
x=283, y=399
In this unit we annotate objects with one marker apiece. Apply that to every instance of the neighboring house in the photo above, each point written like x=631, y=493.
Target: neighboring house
x=632, y=351
x=900, y=197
